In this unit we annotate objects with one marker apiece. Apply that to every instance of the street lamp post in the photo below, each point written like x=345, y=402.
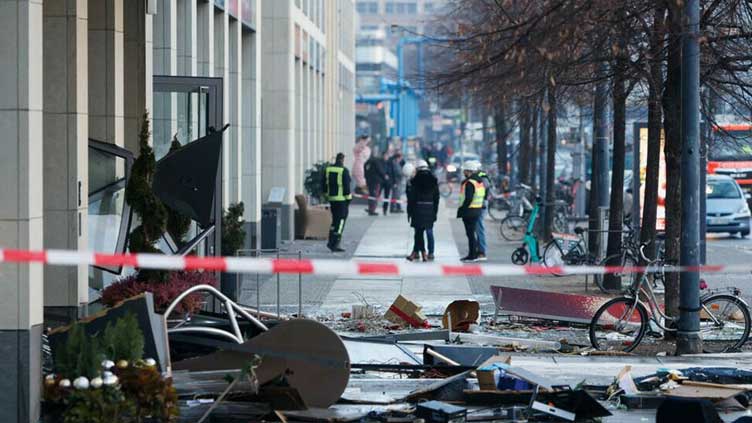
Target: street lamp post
x=688, y=337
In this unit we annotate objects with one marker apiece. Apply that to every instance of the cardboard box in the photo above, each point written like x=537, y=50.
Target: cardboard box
x=404, y=311
x=487, y=379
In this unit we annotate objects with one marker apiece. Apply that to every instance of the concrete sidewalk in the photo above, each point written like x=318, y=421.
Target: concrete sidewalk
x=390, y=238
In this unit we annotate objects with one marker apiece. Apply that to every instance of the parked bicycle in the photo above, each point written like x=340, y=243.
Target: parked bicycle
x=622, y=323
x=514, y=227
x=514, y=203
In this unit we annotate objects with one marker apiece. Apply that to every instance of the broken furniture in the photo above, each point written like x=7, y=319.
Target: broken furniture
x=311, y=222
x=573, y=308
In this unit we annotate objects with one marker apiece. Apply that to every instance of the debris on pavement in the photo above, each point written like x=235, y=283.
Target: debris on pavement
x=460, y=314
x=404, y=311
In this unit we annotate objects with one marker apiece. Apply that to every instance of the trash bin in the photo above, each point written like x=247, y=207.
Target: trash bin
x=271, y=231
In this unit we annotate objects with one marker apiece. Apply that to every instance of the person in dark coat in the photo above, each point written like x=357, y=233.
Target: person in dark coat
x=422, y=208
x=394, y=169
x=376, y=179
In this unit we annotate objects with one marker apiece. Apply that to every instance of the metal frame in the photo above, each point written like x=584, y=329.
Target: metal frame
x=231, y=308
x=125, y=223
x=214, y=121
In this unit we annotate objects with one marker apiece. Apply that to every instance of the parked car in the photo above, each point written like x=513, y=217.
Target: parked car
x=727, y=209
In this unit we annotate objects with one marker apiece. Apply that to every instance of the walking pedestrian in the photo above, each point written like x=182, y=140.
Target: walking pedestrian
x=361, y=153
x=422, y=208
x=375, y=179
x=472, y=193
x=481, y=232
x=337, y=192
x=394, y=165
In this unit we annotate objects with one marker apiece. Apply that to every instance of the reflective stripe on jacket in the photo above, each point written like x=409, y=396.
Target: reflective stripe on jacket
x=335, y=186
x=479, y=193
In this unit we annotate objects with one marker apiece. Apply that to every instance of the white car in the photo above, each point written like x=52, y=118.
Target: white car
x=726, y=206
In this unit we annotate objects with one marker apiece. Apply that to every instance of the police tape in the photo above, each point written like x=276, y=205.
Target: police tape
x=329, y=267
x=380, y=199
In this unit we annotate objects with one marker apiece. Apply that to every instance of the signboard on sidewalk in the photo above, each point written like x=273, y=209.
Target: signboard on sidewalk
x=639, y=175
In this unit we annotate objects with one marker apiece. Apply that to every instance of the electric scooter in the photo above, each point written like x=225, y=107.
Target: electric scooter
x=529, y=251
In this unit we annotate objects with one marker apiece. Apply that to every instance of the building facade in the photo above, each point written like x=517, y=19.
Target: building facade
x=308, y=112
x=78, y=77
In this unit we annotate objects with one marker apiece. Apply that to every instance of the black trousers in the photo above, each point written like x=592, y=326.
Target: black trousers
x=339, y=210
x=418, y=241
x=373, y=191
x=471, y=225
x=387, y=189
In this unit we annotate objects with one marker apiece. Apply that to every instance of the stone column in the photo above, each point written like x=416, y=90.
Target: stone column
x=234, y=113
x=187, y=37
x=138, y=69
x=65, y=152
x=165, y=117
x=251, y=164
x=278, y=114
x=105, y=49
x=205, y=38
x=221, y=70
x=21, y=208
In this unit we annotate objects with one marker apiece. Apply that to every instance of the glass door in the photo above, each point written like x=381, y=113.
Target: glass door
x=186, y=109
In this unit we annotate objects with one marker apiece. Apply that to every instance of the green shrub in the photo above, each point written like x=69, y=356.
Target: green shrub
x=233, y=232
x=313, y=181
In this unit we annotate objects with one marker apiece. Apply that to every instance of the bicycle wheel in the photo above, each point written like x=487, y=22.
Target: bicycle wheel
x=615, y=260
x=496, y=209
x=445, y=189
x=724, y=323
x=618, y=325
x=513, y=228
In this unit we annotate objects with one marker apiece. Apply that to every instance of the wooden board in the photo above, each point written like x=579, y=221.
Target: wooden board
x=310, y=355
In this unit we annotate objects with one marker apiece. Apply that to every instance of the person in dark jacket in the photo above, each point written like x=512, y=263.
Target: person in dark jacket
x=376, y=179
x=337, y=191
x=422, y=208
x=394, y=167
x=481, y=230
x=387, y=183
x=472, y=195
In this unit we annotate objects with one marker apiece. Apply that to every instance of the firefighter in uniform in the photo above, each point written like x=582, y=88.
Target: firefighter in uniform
x=337, y=192
x=472, y=195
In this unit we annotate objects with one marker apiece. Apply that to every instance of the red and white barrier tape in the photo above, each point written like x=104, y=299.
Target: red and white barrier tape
x=379, y=199
x=325, y=267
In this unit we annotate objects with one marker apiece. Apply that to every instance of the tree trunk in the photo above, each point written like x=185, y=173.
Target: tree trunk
x=550, y=161
x=598, y=176
x=534, y=152
x=616, y=204
x=523, y=156
x=672, y=149
x=655, y=116
x=500, y=122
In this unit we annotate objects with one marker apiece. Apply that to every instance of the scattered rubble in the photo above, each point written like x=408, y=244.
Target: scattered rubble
x=399, y=365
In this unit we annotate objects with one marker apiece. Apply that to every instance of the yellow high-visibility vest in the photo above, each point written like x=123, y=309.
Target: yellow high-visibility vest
x=478, y=195
x=339, y=196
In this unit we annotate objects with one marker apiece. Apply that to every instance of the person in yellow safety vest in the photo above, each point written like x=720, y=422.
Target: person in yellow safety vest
x=481, y=230
x=337, y=191
x=472, y=194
